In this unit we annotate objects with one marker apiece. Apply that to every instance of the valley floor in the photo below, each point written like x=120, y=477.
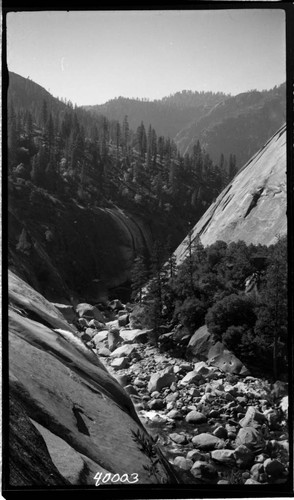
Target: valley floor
x=214, y=427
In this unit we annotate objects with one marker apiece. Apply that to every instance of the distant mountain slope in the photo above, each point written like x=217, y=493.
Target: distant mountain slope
x=26, y=94
x=239, y=125
x=168, y=115
x=252, y=207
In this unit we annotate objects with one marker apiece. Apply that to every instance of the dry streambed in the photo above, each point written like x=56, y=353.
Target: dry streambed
x=214, y=427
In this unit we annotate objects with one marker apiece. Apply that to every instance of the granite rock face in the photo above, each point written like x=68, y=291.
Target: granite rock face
x=90, y=250
x=252, y=207
x=64, y=395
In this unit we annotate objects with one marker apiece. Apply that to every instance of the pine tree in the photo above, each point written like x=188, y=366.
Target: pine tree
x=44, y=115
x=172, y=261
x=139, y=277
x=125, y=134
x=141, y=139
x=272, y=317
x=232, y=167
x=105, y=139
x=149, y=148
x=117, y=139
x=38, y=168
x=158, y=285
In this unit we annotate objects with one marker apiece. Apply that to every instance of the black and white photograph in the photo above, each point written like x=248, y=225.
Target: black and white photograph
x=147, y=175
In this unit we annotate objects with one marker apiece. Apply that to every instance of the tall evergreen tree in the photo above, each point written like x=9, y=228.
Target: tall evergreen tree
x=139, y=277
x=232, y=167
x=141, y=140
x=125, y=134
x=271, y=324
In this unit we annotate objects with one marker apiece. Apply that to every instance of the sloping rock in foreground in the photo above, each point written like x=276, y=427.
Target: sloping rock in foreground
x=252, y=207
x=65, y=392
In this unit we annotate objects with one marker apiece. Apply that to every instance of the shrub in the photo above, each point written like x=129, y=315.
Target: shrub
x=237, y=310
x=190, y=313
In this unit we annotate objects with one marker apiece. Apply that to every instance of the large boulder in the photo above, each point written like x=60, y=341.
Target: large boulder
x=202, y=368
x=161, y=379
x=206, y=441
x=183, y=463
x=113, y=339
x=199, y=344
x=224, y=456
x=243, y=456
x=253, y=418
x=120, y=363
x=191, y=378
x=136, y=335
x=195, y=417
x=126, y=350
x=101, y=336
x=250, y=437
x=274, y=468
x=204, y=471
x=89, y=312
x=67, y=311
x=225, y=360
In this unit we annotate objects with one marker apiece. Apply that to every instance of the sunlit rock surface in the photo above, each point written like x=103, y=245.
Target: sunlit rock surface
x=252, y=207
x=69, y=400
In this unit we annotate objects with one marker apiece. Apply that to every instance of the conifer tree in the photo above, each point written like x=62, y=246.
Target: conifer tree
x=141, y=139
x=149, y=148
x=232, y=166
x=139, y=277
x=125, y=134
x=272, y=317
x=117, y=139
x=44, y=115
x=157, y=285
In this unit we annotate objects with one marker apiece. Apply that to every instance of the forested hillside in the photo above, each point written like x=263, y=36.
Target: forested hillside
x=239, y=125
x=226, y=126
x=73, y=154
x=167, y=115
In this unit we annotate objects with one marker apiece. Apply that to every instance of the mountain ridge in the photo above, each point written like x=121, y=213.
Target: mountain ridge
x=165, y=115
x=223, y=124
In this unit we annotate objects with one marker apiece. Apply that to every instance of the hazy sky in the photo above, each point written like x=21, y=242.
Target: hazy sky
x=91, y=57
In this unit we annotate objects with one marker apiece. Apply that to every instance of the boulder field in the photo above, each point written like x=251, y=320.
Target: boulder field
x=69, y=417
x=214, y=422
x=252, y=207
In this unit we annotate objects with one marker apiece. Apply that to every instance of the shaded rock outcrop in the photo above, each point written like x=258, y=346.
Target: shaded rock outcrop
x=63, y=249
x=252, y=207
x=29, y=461
x=73, y=402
